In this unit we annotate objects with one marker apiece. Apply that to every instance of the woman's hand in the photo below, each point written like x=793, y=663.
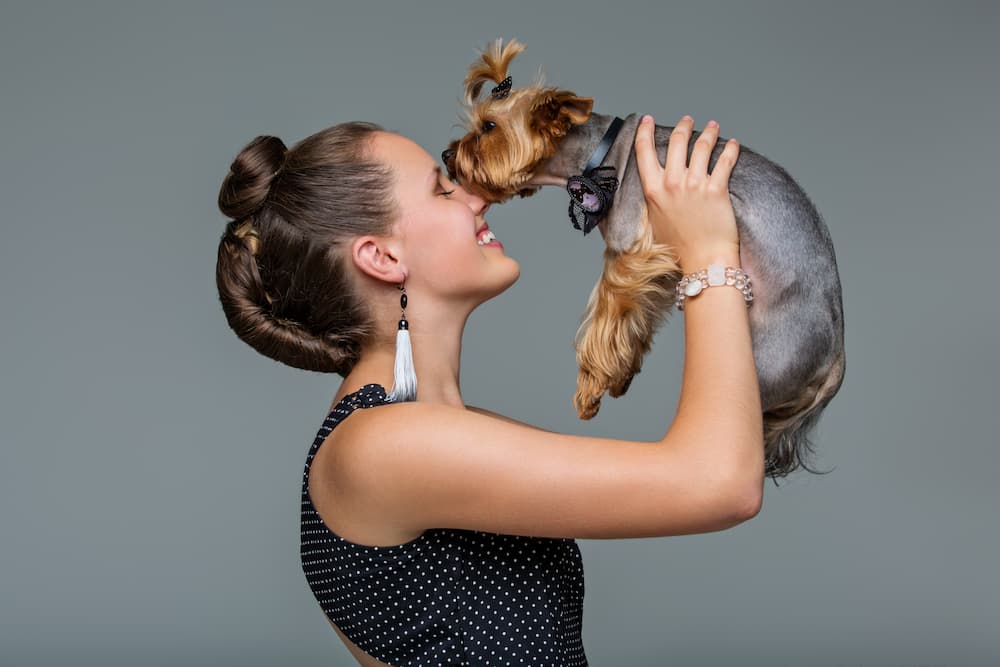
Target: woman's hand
x=688, y=208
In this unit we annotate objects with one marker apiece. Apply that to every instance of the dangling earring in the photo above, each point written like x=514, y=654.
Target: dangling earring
x=404, y=386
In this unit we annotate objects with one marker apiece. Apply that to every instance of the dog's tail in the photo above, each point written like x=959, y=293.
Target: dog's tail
x=787, y=425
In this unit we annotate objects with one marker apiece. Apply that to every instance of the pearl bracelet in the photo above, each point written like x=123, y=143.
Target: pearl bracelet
x=716, y=274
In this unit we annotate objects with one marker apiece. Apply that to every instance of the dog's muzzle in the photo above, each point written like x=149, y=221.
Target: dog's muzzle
x=448, y=158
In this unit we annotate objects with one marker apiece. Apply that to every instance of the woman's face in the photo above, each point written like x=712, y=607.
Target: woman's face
x=437, y=226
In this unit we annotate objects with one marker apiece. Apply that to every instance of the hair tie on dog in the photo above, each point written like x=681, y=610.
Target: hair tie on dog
x=590, y=196
x=502, y=89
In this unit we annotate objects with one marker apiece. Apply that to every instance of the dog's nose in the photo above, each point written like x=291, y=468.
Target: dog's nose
x=448, y=158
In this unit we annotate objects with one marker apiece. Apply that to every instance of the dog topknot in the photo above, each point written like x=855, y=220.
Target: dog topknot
x=492, y=66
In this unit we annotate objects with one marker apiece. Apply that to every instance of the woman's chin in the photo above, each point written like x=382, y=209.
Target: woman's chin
x=515, y=271
x=510, y=277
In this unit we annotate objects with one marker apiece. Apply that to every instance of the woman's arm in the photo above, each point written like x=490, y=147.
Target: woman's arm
x=719, y=416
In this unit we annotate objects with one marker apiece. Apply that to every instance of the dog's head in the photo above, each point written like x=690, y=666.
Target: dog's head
x=511, y=130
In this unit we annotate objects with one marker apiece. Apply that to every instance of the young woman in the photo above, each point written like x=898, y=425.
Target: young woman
x=434, y=532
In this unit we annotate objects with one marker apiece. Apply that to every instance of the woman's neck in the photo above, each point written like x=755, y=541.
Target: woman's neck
x=436, y=362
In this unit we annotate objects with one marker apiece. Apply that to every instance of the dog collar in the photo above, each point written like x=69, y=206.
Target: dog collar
x=592, y=193
x=602, y=148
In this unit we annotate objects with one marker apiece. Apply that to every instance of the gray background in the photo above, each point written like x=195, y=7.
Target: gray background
x=151, y=462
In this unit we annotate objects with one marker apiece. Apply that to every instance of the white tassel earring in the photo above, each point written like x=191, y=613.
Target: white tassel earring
x=404, y=386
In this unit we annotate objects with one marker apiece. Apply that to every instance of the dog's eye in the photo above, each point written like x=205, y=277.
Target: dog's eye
x=488, y=125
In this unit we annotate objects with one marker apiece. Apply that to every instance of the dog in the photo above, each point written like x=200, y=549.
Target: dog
x=521, y=139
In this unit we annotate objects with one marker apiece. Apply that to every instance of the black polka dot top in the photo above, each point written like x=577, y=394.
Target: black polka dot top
x=450, y=596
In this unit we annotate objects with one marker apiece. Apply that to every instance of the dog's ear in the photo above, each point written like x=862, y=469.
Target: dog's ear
x=491, y=66
x=555, y=111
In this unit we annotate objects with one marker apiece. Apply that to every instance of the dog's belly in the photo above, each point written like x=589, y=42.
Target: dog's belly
x=796, y=317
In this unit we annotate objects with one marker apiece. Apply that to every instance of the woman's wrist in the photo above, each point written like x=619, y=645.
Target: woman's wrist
x=696, y=261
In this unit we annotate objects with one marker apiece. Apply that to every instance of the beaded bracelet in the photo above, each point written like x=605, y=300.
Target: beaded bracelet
x=716, y=274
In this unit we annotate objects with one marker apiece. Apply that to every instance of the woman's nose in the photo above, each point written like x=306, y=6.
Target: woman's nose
x=478, y=204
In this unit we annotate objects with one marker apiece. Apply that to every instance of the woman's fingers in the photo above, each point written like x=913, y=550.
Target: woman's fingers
x=677, y=150
x=724, y=165
x=698, y=169
x=650, y=170
x=677, y=171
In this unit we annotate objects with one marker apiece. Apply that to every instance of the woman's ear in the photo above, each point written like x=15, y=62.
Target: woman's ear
x=377, y=257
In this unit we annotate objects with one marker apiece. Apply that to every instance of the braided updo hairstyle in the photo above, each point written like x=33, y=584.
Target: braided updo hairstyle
x=283, y=271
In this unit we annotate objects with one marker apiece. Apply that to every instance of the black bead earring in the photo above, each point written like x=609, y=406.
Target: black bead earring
x=404, y=386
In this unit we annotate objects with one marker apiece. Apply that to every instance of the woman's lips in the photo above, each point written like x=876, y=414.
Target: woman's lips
x=481, y=232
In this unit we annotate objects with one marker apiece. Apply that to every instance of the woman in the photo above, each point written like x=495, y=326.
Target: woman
x=439, y=533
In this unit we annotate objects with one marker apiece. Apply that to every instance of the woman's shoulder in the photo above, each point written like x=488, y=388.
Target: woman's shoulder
x=369, y=427
x=352, y=405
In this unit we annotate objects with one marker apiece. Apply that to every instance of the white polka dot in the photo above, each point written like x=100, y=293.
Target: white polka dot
x=440, y=620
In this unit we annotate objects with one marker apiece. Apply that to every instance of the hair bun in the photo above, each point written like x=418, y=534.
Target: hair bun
x=250, y=176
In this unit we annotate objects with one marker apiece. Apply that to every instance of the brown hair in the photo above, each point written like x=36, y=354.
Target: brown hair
x=283, y=270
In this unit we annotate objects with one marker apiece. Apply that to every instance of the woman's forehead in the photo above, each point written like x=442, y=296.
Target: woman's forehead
x=403, y=152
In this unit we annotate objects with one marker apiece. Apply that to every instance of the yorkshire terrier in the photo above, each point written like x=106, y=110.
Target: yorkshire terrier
x=520, y=139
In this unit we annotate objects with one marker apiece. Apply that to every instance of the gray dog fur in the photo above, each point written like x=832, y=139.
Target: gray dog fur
x=796, y=318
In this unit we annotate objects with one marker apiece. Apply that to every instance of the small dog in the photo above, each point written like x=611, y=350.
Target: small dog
x=519, y=140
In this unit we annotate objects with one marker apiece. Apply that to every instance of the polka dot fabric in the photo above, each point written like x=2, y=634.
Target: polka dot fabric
x=450, y=596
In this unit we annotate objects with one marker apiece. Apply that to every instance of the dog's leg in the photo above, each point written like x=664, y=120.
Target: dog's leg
x=626, y=306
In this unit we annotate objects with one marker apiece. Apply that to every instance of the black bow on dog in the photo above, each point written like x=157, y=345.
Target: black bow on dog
x=590, y=196
x=592, y=193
